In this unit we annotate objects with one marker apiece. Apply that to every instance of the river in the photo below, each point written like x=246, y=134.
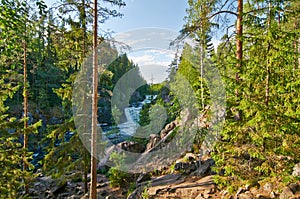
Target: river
x=123, y=131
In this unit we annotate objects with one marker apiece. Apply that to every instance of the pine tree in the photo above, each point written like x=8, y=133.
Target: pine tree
x=256, y=143
x=93, y=192
x=71, y=42
x=13, y=16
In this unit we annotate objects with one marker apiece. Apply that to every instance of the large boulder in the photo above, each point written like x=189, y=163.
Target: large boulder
x=204, y=168
x=296, y=170
x=168, y=128
x=129, y=146
x=186, y=167
x=143, y=177
x=286, y=193
x=133, y=147
x=153, y=140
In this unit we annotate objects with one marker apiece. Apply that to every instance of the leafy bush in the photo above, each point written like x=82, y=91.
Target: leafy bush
x=117, y=177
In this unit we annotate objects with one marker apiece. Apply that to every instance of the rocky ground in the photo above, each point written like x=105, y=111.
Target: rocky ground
x=177, y=185
x=191, y=178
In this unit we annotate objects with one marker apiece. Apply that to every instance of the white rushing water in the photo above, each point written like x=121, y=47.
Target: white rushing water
x=129, y=127
x=132, y=116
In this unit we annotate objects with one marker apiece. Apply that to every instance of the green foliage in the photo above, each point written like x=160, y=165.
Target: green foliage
x=264, y=140
x=14, y=15
x=165, y=99
x=117, y=176
x=145, y=194
x=11, y=172
x=260, y=139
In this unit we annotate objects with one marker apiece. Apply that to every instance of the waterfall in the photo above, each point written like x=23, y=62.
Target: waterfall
x=128, y=128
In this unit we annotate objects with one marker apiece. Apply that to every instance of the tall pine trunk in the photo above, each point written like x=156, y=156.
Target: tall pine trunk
x=25, y=103
x=267, y=94
x=93, y=192
x=84, y=30
x=296, y=49
x=25, y=109
x=239, y=39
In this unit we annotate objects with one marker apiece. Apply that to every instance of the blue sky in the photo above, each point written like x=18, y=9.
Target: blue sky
x=150, y=13
x=162, y=16
x=158, y=14
x=146, y=13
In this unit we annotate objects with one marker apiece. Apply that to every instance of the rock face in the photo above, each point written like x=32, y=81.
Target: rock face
x=168, y=128
x=294, y=187
x=186, y=167
x=143, y=177
x=133, y=147
x=204, y=168
x=156, y=141
x=46, y=187
x=246, y=195
x=266, y=191
x=296, y=170
x=189, y=189
x=153, y=140
x=286, y=193
x=130, y=146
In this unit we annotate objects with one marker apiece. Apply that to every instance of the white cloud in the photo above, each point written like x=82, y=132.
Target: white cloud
x=142, y=60
x=155, y=73
x=153, y=64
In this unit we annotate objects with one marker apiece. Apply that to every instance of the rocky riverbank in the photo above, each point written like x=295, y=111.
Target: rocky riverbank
x=189, y=177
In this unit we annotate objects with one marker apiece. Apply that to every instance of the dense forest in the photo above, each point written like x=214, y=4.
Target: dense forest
x=43, y=49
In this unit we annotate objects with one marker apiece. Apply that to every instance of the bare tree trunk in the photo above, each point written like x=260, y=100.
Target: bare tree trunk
x=93, y=190
x=201, y=73
x=296, y=49
x=267, y=80
x=85, y=180
x=239, y=42
x=267, y=84
x=267, y=92
x=83, y=21
x=25, y=105
x=298, y=53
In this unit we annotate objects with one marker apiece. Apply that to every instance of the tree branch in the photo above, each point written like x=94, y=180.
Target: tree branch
x=221, y=12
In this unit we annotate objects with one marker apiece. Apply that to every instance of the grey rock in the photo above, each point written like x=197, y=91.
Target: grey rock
x=294, y=187
x=63, y=195
x=170, y=126
x=104, y=193
x=261, y=196
x=59, y=188
x=296, y=170
x=110, y=197
x=137, y=193
x=204, y=168
x=143, y=177
x=268, y=187
x=86, y=196
x=240, y=190
x=153, y=141
x=75, y=196
x=286, y=193
x=273, y=194
x=246, y=195
x=133, y=147
x=102, y=185
x=163, y=133
x=80, y=192
x=186, y=167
